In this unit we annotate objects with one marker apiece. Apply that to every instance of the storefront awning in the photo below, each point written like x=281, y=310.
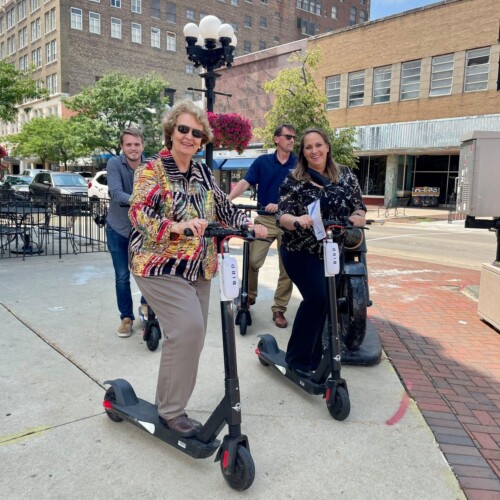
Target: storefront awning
x=232, y=163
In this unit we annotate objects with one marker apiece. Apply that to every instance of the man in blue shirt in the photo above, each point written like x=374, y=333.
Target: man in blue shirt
x=269, y=172
x=120, y=173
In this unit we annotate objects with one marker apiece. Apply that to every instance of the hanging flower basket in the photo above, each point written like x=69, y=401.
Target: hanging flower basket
x=3, y=154
x=231, y=131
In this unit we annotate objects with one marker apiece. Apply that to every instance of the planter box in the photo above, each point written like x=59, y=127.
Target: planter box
x=489, y=295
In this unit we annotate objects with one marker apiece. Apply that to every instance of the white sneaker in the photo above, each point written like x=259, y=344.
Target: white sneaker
x=125, y=328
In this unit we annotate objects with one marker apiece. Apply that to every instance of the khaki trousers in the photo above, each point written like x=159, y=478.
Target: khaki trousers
x=258, y=254
x=182, y=310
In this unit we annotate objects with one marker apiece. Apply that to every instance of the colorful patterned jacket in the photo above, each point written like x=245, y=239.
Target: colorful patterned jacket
x=163, y=196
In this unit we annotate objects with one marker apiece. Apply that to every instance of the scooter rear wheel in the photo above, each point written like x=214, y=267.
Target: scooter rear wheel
x=110, y=396
x=243, y=323
x=153, y=338
x=339, y=404
x=244, y=470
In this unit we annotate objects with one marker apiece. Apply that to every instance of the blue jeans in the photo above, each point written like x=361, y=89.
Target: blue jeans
x=118, y=248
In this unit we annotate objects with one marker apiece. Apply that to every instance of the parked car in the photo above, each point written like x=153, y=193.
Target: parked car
x=16, y=186
x=32, y=172
x=55, y=188
x=98, y=186
x=86, y=175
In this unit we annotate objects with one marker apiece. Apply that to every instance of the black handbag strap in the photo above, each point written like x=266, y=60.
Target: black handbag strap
x=319, y=178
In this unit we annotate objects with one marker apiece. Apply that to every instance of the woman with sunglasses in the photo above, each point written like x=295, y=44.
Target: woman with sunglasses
x=317, y=177
x=173, y=193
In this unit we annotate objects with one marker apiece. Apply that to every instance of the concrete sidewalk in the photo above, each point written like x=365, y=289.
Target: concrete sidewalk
x=58, y=344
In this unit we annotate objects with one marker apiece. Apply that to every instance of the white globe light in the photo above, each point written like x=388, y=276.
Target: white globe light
x=226, y=31
x=209, y=26
x=191, y=30
x=233, y=41
x=200, y=41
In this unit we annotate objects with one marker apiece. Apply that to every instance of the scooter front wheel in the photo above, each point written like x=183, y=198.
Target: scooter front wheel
x=241, y=478
x=339, y=404
x=153, y=338
x=110, y=396
x=243, y=323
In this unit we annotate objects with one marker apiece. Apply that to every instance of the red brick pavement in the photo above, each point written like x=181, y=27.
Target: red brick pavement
x=440, y=348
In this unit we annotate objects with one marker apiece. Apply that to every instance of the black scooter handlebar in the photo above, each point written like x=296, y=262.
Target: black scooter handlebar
x=215, y=230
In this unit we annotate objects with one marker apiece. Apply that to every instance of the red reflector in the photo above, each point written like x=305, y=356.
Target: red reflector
x=225, y=459
x=107, y=404
x=257, y=351
x=327, y=395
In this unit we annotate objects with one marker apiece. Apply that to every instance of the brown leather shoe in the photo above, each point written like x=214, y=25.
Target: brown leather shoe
x=279, y=319
x=182, y=425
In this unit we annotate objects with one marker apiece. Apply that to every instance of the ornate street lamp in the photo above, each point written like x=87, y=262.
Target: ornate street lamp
x=210, y=45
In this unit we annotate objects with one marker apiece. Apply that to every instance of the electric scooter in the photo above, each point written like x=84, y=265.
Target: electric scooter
x=236, y=463
x=243, y=316
x=326, y=380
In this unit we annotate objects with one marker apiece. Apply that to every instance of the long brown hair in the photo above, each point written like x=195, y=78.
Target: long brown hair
x=301, y=171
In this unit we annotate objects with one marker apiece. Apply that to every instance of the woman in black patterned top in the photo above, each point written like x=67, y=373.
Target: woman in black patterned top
x=339, y=195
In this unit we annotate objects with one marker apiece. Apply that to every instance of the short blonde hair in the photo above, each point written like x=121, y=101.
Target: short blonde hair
x=198, y=114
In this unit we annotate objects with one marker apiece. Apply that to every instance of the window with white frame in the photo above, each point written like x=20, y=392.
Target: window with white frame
x=36, y=29
x=50, y=52
x=410, y=80
x=313, y=6
x=36, y=57
x=441, y=75
x=2, y=51
x=22, y=38
x=116, y=27
x=116, y=3
x=171, y=41
x=34, y=5
x=190, y=14
x=155, y=37
x=11, y=45
x=136, y=33
x=171, y=12
x=136, y=6
x=21, y=10
x=334, y=12
x=382, y=84
x=190, y=69
x=356, y=89
x=2, y=25
x=477, y=67
x=50, y=21
x=333, y=92
x=234, y=3
x=51, y=85
x=95, y=23
x=23, y=63
x=11, y=18
x=76, y=19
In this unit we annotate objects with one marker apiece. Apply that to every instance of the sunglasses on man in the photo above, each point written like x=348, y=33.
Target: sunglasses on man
x=197, y=133
x=289, y=137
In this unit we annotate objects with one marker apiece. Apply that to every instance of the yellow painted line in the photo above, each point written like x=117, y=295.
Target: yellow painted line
x=21, y=436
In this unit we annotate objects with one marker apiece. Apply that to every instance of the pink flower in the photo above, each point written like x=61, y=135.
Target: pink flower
x=231, y=131
x=3, y=152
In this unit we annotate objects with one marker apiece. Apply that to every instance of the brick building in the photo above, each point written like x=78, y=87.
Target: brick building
x=412, y=84
x=74, y=42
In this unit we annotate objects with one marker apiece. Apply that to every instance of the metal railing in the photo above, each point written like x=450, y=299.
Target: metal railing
x=51, y=225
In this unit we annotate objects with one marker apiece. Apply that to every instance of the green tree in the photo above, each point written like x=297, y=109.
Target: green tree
x=16, y=86
x=49, y=138
x=117, y=102
x=300, y=102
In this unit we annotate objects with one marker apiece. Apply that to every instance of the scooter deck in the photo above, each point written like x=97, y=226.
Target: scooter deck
x=277, y=361
x=368, y=354
x=145, y=416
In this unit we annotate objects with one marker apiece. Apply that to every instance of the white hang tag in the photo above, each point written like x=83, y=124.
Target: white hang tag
x=332, y=258
x=314, y=211
x=228, y=277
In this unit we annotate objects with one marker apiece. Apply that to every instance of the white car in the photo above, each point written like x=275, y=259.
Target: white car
x=98, y=186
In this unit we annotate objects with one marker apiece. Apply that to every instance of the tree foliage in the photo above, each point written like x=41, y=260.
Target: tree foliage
x=16, y=85
x=117, y=102
x=301, y=103
x=49, y=138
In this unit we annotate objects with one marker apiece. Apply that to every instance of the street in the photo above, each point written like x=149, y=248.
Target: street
x=437, y=242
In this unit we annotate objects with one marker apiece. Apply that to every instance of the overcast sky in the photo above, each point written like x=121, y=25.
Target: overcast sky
x=383, y=8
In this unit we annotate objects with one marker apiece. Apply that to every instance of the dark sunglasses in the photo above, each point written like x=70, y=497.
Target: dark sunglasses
x=289, y=137
x=184, y=129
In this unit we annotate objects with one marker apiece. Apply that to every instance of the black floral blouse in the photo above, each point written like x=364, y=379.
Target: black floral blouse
x=337, y=201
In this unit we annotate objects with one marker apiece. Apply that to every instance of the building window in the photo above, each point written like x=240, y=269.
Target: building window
x=11, y=45
x=189, y=69
x=76, y=19
x=190, y=14
x=50, y=21
x=477, y=67
x=116, y=3
x=262, y=45
x=313, y=6
x=136, y=6
x=95, y=23
x=333, y=92
x=334, y=12
x=116, y=27
x=356, y=90
x=50, y=52
x=307, y=27
x=22, y=38
x=263, y=22
x=171, y=12
x=11, y=18
x=382, y=84
x=352, y=16
x=23, y=62
x=34, y=5
x=235, y=27
x=441, y=75
x=21, y=10
x=136, y=33
x=2, y=25
x=247, y=21
x=171, y=41
x=362, y=16
x=36, y=29
x=155, y=38
x=247, y=47
x=234, y=3
x=155, y=9
x=36, y=57
x=410, y=80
